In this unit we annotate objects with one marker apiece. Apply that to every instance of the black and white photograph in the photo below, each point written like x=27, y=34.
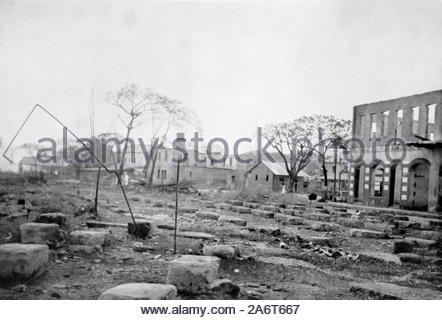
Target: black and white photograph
x=234, y=152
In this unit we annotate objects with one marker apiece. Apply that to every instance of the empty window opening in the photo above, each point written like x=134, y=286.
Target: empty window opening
x=362, y=126
x=256, y=177
x=267, y=177
x=373, y=123
x=399, y=122
x=431, y=120
x=415, y=122
x=384, y=126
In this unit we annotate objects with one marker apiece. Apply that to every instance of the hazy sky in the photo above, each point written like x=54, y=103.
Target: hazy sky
x=238, y=65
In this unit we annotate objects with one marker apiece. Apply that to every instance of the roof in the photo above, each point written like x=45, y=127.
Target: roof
x=29, y=161
x=278, y=169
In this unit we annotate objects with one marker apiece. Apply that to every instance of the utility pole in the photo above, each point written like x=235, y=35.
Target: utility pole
x=334, y=173
x=176, y=204
x=96, y=190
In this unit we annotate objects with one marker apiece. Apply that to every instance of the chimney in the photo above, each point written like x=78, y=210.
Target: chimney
x=181, y=140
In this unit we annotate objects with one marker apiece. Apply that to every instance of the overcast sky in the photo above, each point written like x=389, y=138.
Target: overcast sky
x=238, y=65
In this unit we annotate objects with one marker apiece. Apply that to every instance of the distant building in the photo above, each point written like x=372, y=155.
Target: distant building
x=29, y=164
x=198, y=168
x=273, y=175
x=415, y=182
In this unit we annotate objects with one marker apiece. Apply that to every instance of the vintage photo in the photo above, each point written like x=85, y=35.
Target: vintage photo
x=221, y=151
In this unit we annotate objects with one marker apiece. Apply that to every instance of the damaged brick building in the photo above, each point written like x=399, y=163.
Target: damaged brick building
x=404, y=167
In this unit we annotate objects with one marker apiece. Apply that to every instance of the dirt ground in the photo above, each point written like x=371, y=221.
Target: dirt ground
x=269, y=265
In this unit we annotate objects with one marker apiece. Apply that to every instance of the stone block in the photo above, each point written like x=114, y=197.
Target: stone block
x=22, y=261
x=234, y=202
x=411, y=258
x=223, y=206
x=271, y=231
x=39, y=233
x=87, y=237
x=263, y=213
x=140, y=291
x=195, y=235
x=368, y=234
x=232, y=220
x=289, y=219
x=277, y=204
x=220, y=251
x=321, y=241
x=324, y=227
x=241, y=209
x=270, y=208
x=350, y=223
x=251, y=205
x=193, y=274
x=207, y=215
x=317, y=216
x=54, y=217
x=424, y=243
x=296, y=207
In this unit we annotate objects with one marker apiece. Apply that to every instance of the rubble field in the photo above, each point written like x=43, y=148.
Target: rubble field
x=54, y=246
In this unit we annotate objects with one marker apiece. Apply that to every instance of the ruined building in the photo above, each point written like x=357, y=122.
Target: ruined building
x=403, y=168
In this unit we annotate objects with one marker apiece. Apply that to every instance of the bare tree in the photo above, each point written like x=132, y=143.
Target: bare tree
x=132, y=103
x=290, y=140
x=166, y=114
x=136, y=106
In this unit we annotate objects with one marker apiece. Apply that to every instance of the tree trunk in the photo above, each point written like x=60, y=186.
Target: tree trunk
x=324, y=173
x=291, y=183
x=152, y=171
x=129, y=129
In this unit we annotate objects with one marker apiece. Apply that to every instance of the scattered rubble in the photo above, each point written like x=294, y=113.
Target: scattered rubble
x=276, y=243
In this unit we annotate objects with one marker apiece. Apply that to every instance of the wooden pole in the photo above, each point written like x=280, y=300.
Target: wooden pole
x=96, y=190
x=176, y=205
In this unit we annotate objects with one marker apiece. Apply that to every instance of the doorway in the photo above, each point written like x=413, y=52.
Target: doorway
x=439, y=198
x=418, y=185
x=392, y=185
x=356, y=182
